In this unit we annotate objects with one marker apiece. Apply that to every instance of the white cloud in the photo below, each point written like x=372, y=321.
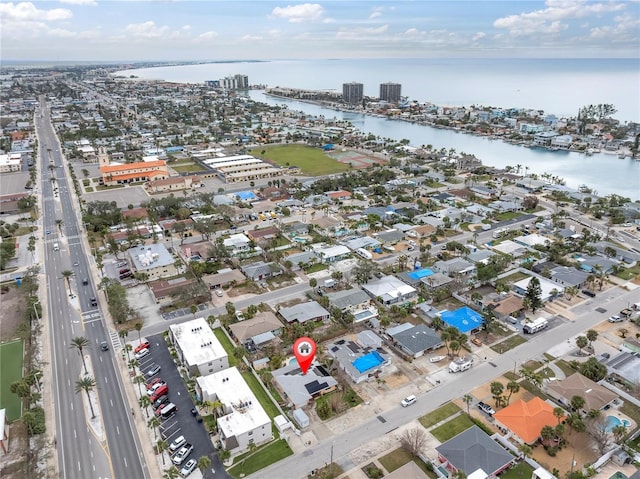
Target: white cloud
x=91, y=3
x=307, y=12
x=361, y=33
x=146, y=30
x=377, y=12
x=552, y=18
x=27, y=12
x=478, y=36
x=624, y=30
x=208, y=35
x=251, y=38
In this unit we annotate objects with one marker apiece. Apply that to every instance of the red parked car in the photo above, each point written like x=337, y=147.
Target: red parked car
x=161, y=391
x=141, y=346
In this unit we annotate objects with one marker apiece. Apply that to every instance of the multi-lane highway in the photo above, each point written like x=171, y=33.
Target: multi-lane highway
x=109, y=449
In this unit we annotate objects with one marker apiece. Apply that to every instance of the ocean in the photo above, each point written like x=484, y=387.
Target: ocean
x=555, y=86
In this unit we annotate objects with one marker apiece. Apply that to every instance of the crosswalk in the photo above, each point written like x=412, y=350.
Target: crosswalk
x=93, y=316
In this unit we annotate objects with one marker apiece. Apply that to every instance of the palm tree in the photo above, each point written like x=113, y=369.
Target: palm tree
x=66, y=274
x=592, y=335
x=145, y=402
x=79, y=343
x=139, y=379
x=547, y=433
x=577, y=403
x=162, y=446
x=87, y=384
x=203, y=463
x=513, y=387
x=171, y=473
x=467, y=399
x=138, y=327
x=154, y=423
x=558, y=412
x=59, y=224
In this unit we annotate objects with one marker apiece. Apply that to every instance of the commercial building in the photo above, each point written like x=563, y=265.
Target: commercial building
x=198, y=349
x=134, y=172
x=243, y=421
x=352, y=93
x=173, y=184
x=232, y=169
x=154, y=260
x=391, y=92
x=10, y=163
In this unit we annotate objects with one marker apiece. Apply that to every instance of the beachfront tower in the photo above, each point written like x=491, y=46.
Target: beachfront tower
x=352, y=93
x=391, y=92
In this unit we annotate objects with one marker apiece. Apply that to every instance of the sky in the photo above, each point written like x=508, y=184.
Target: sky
x=214, y=30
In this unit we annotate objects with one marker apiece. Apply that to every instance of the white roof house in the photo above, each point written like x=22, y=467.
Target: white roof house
x=243, y=420
x=237, y=243
x=333, y=253
x=546, y=286
x=390, y=290
x=198, y=348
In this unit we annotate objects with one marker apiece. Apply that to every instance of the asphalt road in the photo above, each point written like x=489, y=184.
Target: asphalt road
x=341, y=445
x=81, y=453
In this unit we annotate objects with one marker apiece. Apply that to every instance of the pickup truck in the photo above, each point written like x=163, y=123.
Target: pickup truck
x=626, y=313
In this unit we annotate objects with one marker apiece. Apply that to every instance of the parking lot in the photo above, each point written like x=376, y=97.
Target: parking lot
x=183, y=423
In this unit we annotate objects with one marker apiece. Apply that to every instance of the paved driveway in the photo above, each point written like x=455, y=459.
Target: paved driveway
x=182, y=423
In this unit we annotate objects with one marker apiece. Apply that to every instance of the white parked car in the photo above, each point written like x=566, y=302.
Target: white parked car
x=177, y=443
x=615, y=319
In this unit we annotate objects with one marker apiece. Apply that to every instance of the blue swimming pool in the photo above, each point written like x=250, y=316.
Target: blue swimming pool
x=613, y=421
x=368, y=361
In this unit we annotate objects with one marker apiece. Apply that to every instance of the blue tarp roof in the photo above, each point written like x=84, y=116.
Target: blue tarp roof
x=463, y=319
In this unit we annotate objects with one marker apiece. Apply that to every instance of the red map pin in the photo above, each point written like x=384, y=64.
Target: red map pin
x=305, y=350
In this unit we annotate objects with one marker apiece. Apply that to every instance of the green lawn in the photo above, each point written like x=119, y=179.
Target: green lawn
x=399, y=457
x=314, y=268
x=11, y=356
x=261, y=394
x=522, y=469
x=452, y=428
x=261, y=458
x=227, y=345
x=629, y=273
x=440, y=414
x=311, y=161
x=187, y=167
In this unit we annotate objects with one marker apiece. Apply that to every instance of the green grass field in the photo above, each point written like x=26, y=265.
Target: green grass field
x=312, y=161
x=11, y=355
x=452, y=428
x=263, y=457
x=440, y=414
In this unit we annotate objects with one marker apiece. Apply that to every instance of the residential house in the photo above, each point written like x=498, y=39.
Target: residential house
x=389, y=237
x=455, y=266
x=626, y=365
x=506, y=205
x=483, y=191
x=390, y=291
x=296, y=228
x=591, y=263
x=257, y=331
x=299, y=389
x=223, y=278
x=505, y=306
x=263, y=234
x=303, y=312
x=474, y=450
x=306, y=257
x=596, y=397
x=464, y=319
x=549, y=288
x=326, y=225
x=358, y=361
x=480, y=256
x=260, y=270
x=332, y=254
x=365, y=242
x=414, y=341
x=243, y=421
x=163, y=291
x=339, y=195
x=237, y=244
x=198, y=348
x=354, y=301
x=525, y=419
x=568, y=277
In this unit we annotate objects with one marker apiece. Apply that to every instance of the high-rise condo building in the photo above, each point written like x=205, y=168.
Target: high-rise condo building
x=391, y=92
x=352, y=93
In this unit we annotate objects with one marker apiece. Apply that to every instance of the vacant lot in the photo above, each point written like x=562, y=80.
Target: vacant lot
x=440, y=414
x=311, y=161
x=10, y=371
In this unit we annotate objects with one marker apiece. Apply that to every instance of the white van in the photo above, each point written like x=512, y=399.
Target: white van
x=56, y=247
x=408, y=401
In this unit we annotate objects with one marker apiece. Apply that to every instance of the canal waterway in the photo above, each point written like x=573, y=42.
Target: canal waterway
x=604, y=172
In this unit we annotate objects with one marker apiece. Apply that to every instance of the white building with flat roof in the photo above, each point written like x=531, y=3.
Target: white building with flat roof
x=243, y=420
x=154, y=260
x=198, y=348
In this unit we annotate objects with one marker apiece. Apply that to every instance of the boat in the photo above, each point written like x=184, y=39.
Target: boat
x=622, y=156
x=435, y=359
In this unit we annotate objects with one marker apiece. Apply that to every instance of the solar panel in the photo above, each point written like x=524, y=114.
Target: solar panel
x=315, y=386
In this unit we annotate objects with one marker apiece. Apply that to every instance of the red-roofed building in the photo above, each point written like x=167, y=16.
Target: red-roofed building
x=134, y=172
x=525, y=419
x=338, y=195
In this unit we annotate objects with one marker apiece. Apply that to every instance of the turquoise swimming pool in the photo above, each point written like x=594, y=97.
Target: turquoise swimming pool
x=613, y=422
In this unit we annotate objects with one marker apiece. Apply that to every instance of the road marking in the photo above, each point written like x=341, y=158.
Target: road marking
x=125, y=462
x=90, y=321
x=118, y=430
x=72, y=406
